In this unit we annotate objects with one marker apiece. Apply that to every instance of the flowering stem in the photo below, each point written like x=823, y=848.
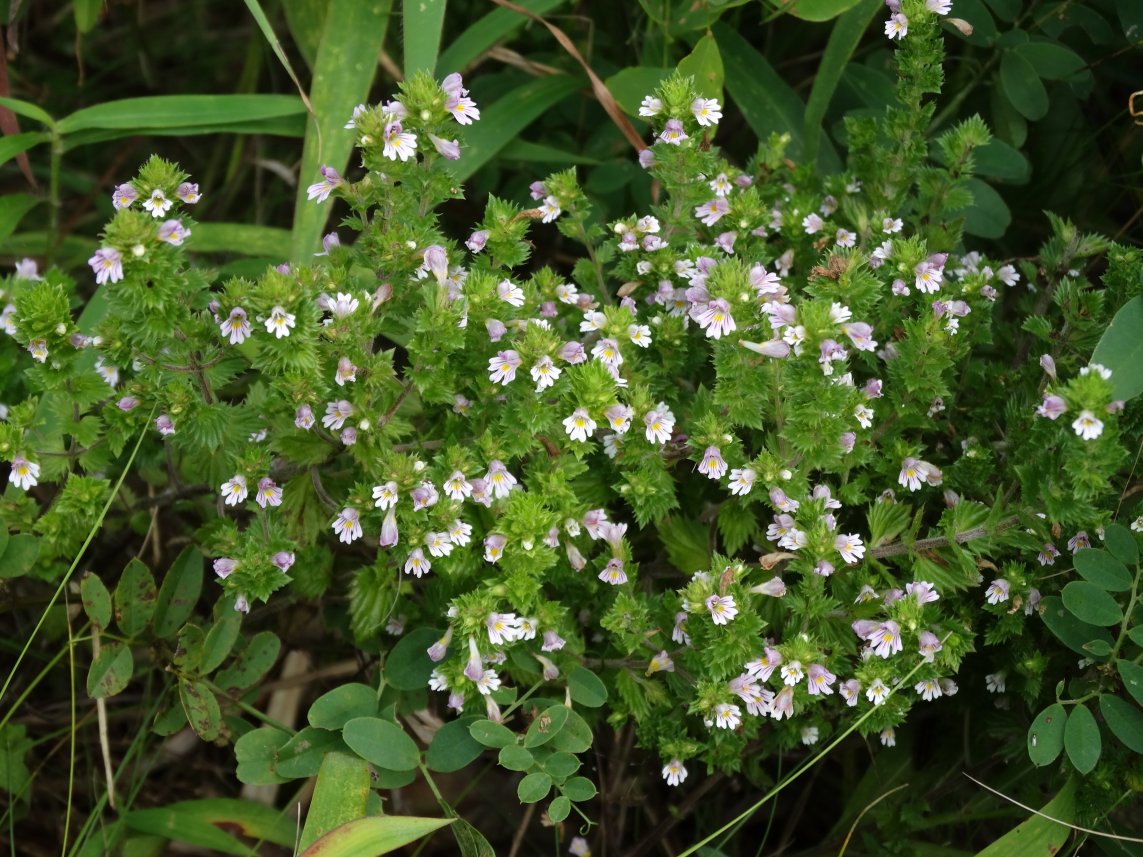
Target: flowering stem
x=960, y=538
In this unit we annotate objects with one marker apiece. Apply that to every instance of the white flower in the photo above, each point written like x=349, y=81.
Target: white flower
x=510, y=293
x=544, y=373
x=995, y=682
x=348, y=525
x=809, y=735
x=877, y=692
x=386, y=495
x=850, y=548
x=792, y=673
x=25, y=474
x=234, y=490
x=897, y=27
x=674, y=772
x=650, y=106
x=157, y=204
x=741, y=481
x=722, y=608
x=640, y=334
x=727, y=716
x=1087, y=425
x=707, y=111
x=579, y=425
x=280, y=322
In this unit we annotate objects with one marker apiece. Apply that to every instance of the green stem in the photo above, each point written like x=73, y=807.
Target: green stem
x=1127, y=614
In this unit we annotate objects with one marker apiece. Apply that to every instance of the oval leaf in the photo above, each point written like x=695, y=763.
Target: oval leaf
x=24, y=549
x=110, y=672
x=220, y=640
x=201, y=707
x=559, y=809
x=453, y=747
x=134, y=599
x=492, y=734
x=1102, y=569
x=1046, y=735
x=561, y=765
x=256, y=752
x=1081, y=739
x=1073, y=633
x=817, y=10
x=579, y=789
x=179, y=593
x=575, y=737
x=1119, y=541
x=334, y=709
x=515, y=758
x=1091, y=604
x=1124, y=720
x=251, y=664
x=586, y=687
x=704, y=64
x=1120, y=349
x=96, y=600
x=303, y=754
x=1132, y=675
x=534, y=787
x=546, y=726
x=381, y=743
x=1023, y=86
x=408, y=665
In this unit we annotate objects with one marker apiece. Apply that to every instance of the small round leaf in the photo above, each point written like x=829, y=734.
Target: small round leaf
x=110, y=672
x=561, y=765
x=381, y=743
x=1081, y=739
x=546, y=726
x=580, y=789
x=1102, y=569
x=408, y=666
x=1073, y=633
x=332, y=710
x=586, y=688
x=1091, y=604
x=96, y=600
x=492, y=734
x=515, y=758
x=453, y=747
x=559, y=809
x=1046, y=735
x=534, y=787
x=1023, y=86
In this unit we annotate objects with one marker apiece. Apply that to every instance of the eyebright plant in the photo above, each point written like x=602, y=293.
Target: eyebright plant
x=746, y=459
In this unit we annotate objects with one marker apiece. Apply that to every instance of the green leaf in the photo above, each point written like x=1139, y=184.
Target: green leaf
x=302, y=756
x=534, y=787
x=1068, y=629
x=251, y=663
x=341, y=795
x=28, y=110
x=453, y=746
x=188, y=653
x=332, y=710
x=579, y=789
x=382, y=743
x=513, y=757
x=561, y=765
x=1089, y=603
x=256, y=753
x=586, y=687
x=1136, y=635
x=546, y=726
x=998, y=160
x=1051, y=60
x=423, y=21
x=110, y=672
x=3, y=540
x=1098, y=648
x=408, y=665
x=1124, y=720
x=1120, y=349
x=206, y=112
x=206, y=823
x=846, y=34
x=522, y=150
x=15, y=144
x=1121, y=544
x=1023, y=86
x=179, y=593
x=1046, y=735
x=86, y=14
x=815, y=10
x=306, y=20
x=369, y=837
x=502, y=120
x=244, y=238
x=491, y=734
x=989, y=215
x=202, y=709
x=1102, y=569
x=342, y=77
x=485, y=32
x=1039, y=835
x=96, y=599
x=134, y=599
x=1081, y=739
x=1132, y=675
x=470, y=840
x=575, y=737
x=170, y=719
x=629, y=86
x=13, y=207
x=686, y=543
x=1006, y=10
x=220, y=640
x=559, y=809
x=704, y=64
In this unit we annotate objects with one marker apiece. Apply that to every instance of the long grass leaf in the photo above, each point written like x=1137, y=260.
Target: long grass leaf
x=501, y=122
x=282, y=126
x=306, y=19
x=340, y=794
x=28, y=110
x=343, y=74
x=15, y=144
x=241, y=238
x=843, y=40
x=370, y=837
x=204, y=822
x=423, y=21
x=486, y=32
x=13, y=207
x=182, y=111
x=276, y=46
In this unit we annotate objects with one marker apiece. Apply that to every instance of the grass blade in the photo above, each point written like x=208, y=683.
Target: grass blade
x=207, y=112
x=15, y=144
x=13, y=207
x=343, y=74
x=340, y=795
x=276, y=46
x=423, y=21
x=843, y=40
x=205, y=822
x=483, y=34
x=242, y=238
x=369, y=837
x=27, y=110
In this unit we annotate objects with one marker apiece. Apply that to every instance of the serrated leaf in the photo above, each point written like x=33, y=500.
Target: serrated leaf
x=1089, y=603
x=110, y=672
x=335, y=708
x=453, y=747
x=381, y=743
x=96, y=599
x=1120, y=349
x=1132, y=675
x=1124, y=720
x=534, y=787
x=1102, y=569
x=1121, y=544
x=1046, y=735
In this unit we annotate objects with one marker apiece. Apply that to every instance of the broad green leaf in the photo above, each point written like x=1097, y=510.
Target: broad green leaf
x=27, y=110
x=586, y=687
x=306, y=20
x=559, y=809
x=1023, y=86
x=181, y=111
x=579, y=789
x=202, y=709
x=815, y=10
x=1007, y=122
x=485, y=32
x=1039, y=835
x=1132, y=675
x=110, y=672
x=687, y=544
x=1068, y=629
x=332, y=710
x=1081, y=739
x=1051, y=60
x=998, y=160
x=501, y=121
x=989, y=215
x=1120, y=349
x=251, y=664
x=15, y=144
x=422, y=22
x=281, y=126
x=244, y=238
x=343, y=75
x=96, y=599
x=220, y=640
x=206, y=823
x=408, y=665
x=847, y=32
x=1124, y=720
x=86, y=14
x=369, y=837
x=303, y=754
x=170, y=719
x=984, y=30
x=1006, y=10
x=453, y=746
x=179, y=593
x=470, y=840
x=256, y=753
x=546, y=726
x=631, y=85
x=382, y=743
x=704, y=64
x=1098, y=648
x=522, y=150
x=534, y=787
x=561, y=765
x=1046, y=735
x=1131, y=17
x=188, y=653
x=515, y=758
x=491, y=734
x=13, y=207
x=1119, y=541
x=1102, y=569
x=1089, y=603
x=134, y=599
x=575, y=737
x=341, y=794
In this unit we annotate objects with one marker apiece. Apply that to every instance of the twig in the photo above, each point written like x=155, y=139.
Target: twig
x=518, y=839
x=943, y=541
x=101, y=713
